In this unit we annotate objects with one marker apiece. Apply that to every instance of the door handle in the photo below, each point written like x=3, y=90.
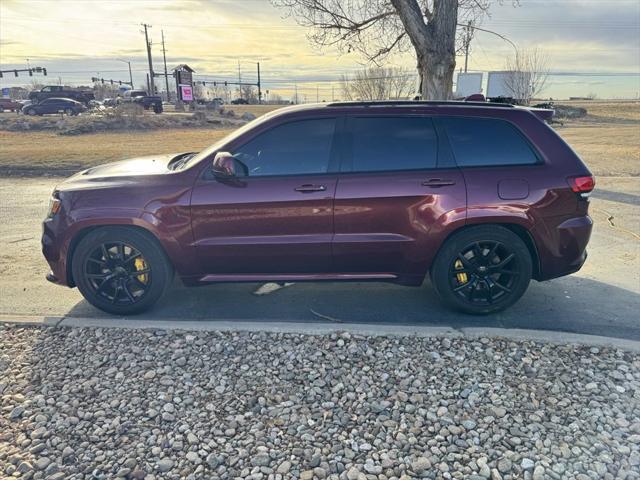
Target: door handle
x=438, y=182
x=310, y=188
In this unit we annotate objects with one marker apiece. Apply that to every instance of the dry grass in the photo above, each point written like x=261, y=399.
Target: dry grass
x=49, y=152
x=608, y=139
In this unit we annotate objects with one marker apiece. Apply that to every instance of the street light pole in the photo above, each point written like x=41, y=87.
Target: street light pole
x=130, y=75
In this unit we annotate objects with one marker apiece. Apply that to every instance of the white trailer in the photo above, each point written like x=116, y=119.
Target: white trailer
x=509, y=84
x=468, y=84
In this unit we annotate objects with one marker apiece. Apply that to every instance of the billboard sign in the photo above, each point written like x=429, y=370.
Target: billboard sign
x=186, y=93
x=6, y=92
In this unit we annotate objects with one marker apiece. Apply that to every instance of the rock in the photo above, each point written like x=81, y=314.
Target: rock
x=193, y=457
x=16, y=412
x=42, y=463
x=527, y=464
x=261, y=460
x=284, y=467
x=504, y=465
x=420, y=464
x=164, y=465
x=538, y=473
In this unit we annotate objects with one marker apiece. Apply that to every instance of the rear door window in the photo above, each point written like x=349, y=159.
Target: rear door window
x=392, y=143
x=480, y=142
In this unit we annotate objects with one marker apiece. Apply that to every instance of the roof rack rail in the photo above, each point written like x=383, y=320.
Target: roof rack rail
x=386, y=103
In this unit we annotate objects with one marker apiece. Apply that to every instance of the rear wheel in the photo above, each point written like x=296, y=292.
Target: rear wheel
x=121, y=270
x=482, y=270
x=30, y=111
x=69, y=111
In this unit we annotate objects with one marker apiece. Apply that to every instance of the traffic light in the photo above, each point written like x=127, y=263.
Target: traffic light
x=44, y=71
x=30, y=73
x=225, y=83
x=1, y=75
x=111, y=82
x=15, y=72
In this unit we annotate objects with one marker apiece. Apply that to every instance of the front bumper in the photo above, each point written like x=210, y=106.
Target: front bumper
x=54, y=250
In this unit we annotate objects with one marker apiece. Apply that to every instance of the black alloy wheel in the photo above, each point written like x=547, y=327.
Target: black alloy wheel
x=121, y=270
x=483, y=272
x=118, y=273
x=482, y=269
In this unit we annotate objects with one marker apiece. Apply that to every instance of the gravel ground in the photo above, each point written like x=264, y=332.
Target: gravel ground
x=109, y=403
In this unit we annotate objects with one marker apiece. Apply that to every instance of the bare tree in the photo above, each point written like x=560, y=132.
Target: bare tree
x=378, y=28
x=378, y=84
x=249, y=93
x=528, y=72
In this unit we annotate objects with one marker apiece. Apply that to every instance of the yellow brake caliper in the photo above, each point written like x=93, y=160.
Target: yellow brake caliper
x=462, y=277
x=141, y=265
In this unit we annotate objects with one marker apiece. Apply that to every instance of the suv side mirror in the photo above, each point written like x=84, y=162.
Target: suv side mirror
x=224, y=165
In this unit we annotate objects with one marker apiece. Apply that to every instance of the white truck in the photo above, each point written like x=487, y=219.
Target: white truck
x=468, y=84
x=509, y=86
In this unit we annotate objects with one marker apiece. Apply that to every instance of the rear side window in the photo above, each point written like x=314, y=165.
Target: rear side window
x=393, y=143
x=295, y=148
x=483, y=142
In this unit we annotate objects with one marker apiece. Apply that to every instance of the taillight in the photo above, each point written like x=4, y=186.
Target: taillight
x=583, y=186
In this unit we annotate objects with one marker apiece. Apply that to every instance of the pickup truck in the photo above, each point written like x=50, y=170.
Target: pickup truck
x=83, y=96
x=140, y=97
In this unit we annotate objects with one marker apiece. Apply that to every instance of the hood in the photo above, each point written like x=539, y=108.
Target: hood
x=128, y=171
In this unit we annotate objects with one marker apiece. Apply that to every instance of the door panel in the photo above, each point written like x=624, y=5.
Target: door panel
x=387, y=222
x=393, y=220
x=264, y=225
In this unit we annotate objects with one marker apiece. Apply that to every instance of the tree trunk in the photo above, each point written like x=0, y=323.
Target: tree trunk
x=434, y=42
x=437, y=77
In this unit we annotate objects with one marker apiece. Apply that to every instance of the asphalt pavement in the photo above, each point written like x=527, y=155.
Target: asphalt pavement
x=602, y=299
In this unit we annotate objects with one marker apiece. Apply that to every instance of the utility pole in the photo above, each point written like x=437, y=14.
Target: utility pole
x=467, y=43
x=259, y=88
x=152, y=87
x=296, y=97
x=239, y=81
x=166, y=75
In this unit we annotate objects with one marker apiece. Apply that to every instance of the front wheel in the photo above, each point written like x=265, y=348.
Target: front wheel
x=121, y=270
x=70, y=111
x=482, y=270
x=30, y=111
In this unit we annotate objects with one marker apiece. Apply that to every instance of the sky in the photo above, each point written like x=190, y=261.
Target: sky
x=593, y=46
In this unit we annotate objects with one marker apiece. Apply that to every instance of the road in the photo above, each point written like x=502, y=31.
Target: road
x=602, y=299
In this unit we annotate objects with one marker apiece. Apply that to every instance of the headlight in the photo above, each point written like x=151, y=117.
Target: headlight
x=54, y=205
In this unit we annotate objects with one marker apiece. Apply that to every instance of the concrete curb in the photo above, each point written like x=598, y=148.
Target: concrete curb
x=324, y=328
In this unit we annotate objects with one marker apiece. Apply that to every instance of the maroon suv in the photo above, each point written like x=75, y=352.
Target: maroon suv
x=481, y=197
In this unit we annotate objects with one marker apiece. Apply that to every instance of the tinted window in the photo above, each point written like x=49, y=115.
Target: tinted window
x=487, y=141
x=393, y=143
x=294, y=148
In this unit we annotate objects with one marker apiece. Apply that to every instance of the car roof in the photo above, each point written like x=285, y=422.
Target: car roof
x=63, y=99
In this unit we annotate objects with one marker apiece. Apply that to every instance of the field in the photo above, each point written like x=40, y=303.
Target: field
x=608, y=139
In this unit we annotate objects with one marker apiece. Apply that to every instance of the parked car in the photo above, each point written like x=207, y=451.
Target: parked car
x=58, y=91
x=479, y=197
x=239, y=101
x=55, y=105
x=11, y=105
x=153, y=102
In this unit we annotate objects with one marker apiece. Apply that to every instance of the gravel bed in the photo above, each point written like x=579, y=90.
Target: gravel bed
x=133, y=404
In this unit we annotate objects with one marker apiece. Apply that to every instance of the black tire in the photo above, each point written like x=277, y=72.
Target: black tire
x=155, y=284
x=69, y=111
x=30, y=111
x=482, y=270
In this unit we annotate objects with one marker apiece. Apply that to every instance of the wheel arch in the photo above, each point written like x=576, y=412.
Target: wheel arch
x=82, y=233
x=515, y=228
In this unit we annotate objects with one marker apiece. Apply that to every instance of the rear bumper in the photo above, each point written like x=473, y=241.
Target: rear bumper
x=564, y=250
